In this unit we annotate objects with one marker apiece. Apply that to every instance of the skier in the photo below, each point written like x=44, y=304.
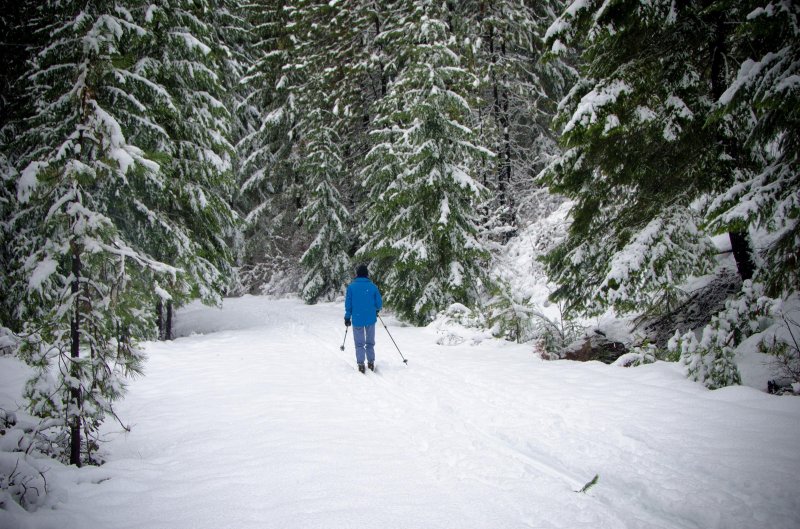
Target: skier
x=362, y=302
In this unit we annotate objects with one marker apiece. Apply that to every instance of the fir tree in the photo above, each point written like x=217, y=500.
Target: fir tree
x=641, y=153
x=421, y=224
x=16, y=41
x=519, y=91
x=87, y=288
x=663, y=120
x=125, y=174
x=269, y=195
x=324, y=51
x=762, y=108
x=190, y=220
x=326, y=260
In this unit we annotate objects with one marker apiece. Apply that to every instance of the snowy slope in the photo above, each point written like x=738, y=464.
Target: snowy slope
x=264, y=423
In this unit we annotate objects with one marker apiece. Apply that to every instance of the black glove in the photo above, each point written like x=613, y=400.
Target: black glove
x=347, y=322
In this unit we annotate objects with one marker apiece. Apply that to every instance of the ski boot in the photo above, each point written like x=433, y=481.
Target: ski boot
x=371, y=366
x=361, y=368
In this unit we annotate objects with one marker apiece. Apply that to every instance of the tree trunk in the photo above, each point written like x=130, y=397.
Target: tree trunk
x=382, y=81
x=160, y=318
x=164, y=316
x=502, y=117
x=75, y=336
x=740, y=245
x=168, y=326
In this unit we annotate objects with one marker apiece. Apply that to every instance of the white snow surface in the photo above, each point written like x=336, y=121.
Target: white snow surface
x=255, y=419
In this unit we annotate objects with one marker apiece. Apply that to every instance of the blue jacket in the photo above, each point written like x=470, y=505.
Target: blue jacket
x=362, y=302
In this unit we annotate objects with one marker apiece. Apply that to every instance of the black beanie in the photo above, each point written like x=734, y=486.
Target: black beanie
x=361, y=271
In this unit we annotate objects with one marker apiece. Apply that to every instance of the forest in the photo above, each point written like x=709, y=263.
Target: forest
x=162, y=151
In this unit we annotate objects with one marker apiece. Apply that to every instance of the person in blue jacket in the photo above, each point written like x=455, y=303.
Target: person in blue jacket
x=361, y=306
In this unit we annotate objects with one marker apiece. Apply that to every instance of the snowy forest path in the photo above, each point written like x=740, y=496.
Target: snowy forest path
x=254, y=417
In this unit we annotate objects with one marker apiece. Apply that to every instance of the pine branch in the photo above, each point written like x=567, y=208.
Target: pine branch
x=590, y=484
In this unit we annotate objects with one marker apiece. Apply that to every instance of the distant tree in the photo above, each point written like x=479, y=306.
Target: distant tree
x=421, y=221
x=325, y=52
x=326, y=260
x=519, y=92
x=16, y=42
x=270, y=195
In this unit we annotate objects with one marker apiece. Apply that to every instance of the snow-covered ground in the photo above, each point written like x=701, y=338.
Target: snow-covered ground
x=255, y=419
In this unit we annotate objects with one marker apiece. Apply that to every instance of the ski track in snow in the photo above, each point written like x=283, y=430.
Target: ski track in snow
x=264, y=423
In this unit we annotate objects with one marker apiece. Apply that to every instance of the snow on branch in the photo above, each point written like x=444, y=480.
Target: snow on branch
x=591, y=104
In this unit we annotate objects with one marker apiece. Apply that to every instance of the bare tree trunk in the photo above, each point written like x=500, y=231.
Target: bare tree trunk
x=75, y=336
x=160, y=318
x=164, y=317
x=168, y=326
x=740, y=244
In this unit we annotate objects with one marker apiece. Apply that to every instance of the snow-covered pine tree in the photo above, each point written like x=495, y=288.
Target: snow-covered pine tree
x=640, y=151
x=191, y=221
x=421, y=223
x=268, y=196
x=520, y=95
x=326, y=260
x=759, y=114
x=663, y=112
x=326, y=33
x=233, y=35
x=761, y=106
x=16, y=40
x=87, y=291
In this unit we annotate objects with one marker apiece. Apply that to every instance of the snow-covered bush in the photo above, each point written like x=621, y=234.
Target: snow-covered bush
x=553, y=335
x=509, y=317
x=710, y=359
x=458, y=324
x=22, y=482
x=277, y=276
x=641, y=353
x=8, y=342
x=782, y=341
x=513, y=316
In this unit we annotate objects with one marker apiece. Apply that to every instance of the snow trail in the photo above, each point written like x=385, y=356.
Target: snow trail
x=263, y=422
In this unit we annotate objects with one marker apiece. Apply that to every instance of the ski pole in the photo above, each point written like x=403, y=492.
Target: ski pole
x=395, y=343
x=345, y=339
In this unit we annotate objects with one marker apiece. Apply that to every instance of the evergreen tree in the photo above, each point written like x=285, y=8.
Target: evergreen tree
x=86, y=288
x=269, y=195
x=326, y=260
x=762, y=108
x=520, y=93
x=16, y=40
x=327, y=102
x=641, y=153
x=664, y=120
x=421, y=223
x=124, y=176
x=191, y=221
